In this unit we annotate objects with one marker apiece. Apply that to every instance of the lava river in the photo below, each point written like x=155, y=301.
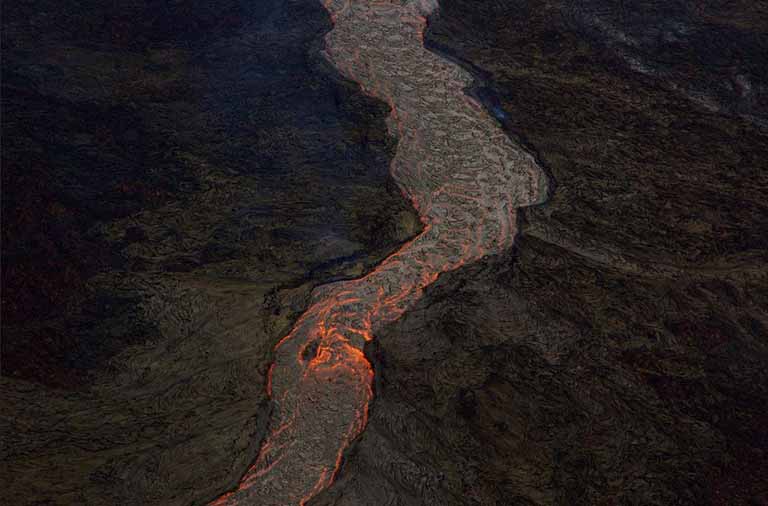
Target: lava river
x=465, y=178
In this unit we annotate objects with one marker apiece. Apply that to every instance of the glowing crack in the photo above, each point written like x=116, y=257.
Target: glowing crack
x=465, y=178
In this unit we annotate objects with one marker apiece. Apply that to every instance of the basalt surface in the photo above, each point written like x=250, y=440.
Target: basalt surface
x=465, y=177
x=175, y=180
x=617, y=355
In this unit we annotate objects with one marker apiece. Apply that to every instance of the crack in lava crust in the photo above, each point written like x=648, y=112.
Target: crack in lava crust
x=464, y=177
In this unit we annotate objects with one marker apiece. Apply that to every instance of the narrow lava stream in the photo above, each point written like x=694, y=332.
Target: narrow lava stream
x=465, y=178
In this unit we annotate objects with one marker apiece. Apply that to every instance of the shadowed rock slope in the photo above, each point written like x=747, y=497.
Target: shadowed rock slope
x=618, y=354
x=176, y=178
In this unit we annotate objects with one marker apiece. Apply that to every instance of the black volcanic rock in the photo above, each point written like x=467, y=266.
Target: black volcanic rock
x=176, y=178
x=618, y=355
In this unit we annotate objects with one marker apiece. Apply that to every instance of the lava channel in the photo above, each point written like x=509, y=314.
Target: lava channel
x=465, y=178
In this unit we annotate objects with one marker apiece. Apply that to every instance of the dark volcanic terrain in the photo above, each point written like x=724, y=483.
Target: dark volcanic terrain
x=177, y=177
x=619, y=354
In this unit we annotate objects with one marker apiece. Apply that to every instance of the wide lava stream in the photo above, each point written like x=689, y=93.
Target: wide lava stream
x=466, y=179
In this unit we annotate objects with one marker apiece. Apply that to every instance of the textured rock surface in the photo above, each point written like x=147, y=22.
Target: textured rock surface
x=615, y=356
x=464, y=176
x=175, y=180
x=618, y=355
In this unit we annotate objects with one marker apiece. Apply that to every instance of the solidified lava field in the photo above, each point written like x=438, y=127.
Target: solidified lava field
x=466, y=179
x=384, y=252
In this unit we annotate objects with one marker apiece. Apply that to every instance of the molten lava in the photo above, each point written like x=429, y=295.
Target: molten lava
x=464, y=177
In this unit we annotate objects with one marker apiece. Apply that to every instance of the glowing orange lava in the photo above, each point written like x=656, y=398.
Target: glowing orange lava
x=464, y=177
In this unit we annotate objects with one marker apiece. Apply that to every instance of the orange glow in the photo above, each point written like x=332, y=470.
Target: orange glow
x=269, y=379
x=465, y=179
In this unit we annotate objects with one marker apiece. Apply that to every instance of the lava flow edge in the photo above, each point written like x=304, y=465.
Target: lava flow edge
x=466, y=200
